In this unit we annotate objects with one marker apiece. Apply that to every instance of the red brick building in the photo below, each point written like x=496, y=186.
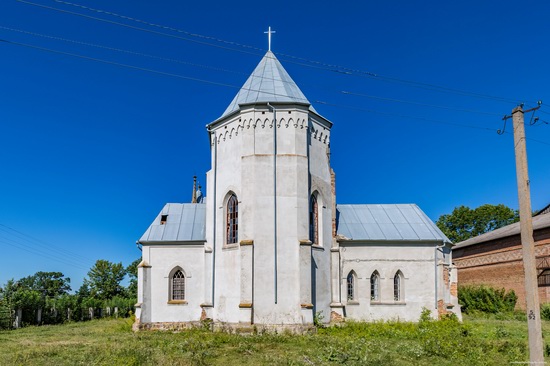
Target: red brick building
x=495, y=258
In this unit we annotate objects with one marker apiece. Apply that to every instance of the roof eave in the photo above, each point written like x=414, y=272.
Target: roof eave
x=230, y=115
x=172, y=242
x=394, y=241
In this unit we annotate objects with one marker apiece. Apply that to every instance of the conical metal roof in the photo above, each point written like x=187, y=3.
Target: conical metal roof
x=269, y=82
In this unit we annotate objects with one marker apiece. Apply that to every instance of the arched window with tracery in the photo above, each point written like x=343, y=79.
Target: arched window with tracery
x=351, y=286
x=398, y=286
x=375, y=286
x=314, y=220
x=177, y=285
x=232, y=220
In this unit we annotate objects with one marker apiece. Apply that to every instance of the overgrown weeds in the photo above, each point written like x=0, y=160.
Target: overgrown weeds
x=428, y=342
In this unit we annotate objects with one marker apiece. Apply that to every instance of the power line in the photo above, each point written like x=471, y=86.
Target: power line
x=120, y=50
x=322, y=65
x=405, y=116
x=236, y=87
x=230, y=71
x=19, y=245
x=30, y=240
x=115, y=63
x=421, y=119
x=160, y=26
x=418, y=103
x=133, y=27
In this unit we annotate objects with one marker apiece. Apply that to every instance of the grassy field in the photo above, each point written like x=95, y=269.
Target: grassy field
x=111, y=342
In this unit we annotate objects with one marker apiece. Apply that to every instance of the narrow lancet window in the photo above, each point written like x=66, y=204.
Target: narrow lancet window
x=351, y=286
x=375, y=286
x=232, y=229
x=314, y=221
x=398, y=286
x=178, y=286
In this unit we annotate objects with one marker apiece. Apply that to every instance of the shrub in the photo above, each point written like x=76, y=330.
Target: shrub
x=486, y=299
x=545, y=311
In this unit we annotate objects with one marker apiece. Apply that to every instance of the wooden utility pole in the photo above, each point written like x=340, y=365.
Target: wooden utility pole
x=529, y=262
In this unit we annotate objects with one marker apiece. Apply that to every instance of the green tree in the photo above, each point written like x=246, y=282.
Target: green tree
x=104, y=279
x=131, y=271
x=465, y=223
x=49, y=284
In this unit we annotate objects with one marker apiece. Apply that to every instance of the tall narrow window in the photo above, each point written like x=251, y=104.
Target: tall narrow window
x=232, y=229
x=314, y=221
x=178, y=286
x=398, y=286
x=375, y=286
x=351, y=286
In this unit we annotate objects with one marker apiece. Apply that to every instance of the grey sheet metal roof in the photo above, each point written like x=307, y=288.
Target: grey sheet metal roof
x=269, y=82
x=391, y=222
x=184, y=222
x=539, y=222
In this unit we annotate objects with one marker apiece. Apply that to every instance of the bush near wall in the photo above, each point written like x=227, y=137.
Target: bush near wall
x=486, y=299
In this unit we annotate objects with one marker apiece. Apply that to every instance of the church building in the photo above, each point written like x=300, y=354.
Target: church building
x=269, y=248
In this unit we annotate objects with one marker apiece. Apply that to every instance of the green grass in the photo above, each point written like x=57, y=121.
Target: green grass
x=111, y=342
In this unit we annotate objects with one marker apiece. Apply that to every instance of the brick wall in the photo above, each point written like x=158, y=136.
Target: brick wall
x=499, y=263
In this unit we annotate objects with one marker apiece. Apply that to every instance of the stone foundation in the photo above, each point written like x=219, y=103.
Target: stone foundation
x=238, y=328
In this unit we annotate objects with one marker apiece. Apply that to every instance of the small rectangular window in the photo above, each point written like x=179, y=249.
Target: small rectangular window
x=163, y=219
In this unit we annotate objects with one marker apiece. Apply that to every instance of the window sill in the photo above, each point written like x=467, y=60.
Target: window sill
x=397, y=303
x=231, y=246
x=177, y=302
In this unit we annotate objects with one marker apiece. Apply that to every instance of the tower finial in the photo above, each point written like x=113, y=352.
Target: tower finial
x=269, y=32
x=194, y=196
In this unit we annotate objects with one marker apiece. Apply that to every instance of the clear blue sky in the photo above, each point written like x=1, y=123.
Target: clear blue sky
x=91, y=151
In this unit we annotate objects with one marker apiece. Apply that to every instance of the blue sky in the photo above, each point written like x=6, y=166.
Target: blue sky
x=91, y=150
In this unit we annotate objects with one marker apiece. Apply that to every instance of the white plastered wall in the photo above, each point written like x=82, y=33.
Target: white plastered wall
x=416, y=263
x=163, y=259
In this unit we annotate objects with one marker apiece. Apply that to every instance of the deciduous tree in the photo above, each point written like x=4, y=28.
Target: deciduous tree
x=104, y=279
x=465, y=223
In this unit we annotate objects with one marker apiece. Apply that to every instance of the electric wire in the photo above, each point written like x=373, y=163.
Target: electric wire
x=41, y=253
x=120, y=50
x=248, y=89
x=336, y=68
x=30, y=240
x=135, y=28
x=333, y=67
x=418, y=103
x=159, y=25
x=404, y=116
x=34, y=34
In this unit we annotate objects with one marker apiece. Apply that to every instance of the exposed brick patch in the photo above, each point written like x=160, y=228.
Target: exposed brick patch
x=454, y=289
x=335, y=317
x=441, y=310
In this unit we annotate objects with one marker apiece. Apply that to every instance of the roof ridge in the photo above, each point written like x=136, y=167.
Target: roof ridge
x=268, y=82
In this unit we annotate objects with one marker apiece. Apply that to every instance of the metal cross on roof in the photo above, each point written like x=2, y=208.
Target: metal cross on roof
x=269, y=32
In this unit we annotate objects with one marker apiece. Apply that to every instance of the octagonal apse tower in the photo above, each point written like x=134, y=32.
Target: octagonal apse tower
x=270, y=153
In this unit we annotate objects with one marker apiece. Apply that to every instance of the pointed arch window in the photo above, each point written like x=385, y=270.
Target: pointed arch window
x=232, y=220
x=398, y=286
x=375, y=286
x=351, y=283
x=314, y=220
x=178, y=285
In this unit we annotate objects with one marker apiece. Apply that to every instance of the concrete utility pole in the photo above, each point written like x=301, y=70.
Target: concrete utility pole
x=529, y=262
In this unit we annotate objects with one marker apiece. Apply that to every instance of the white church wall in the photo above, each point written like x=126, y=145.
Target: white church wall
x=163, y=259
x=416, y=263
x=227, y=162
